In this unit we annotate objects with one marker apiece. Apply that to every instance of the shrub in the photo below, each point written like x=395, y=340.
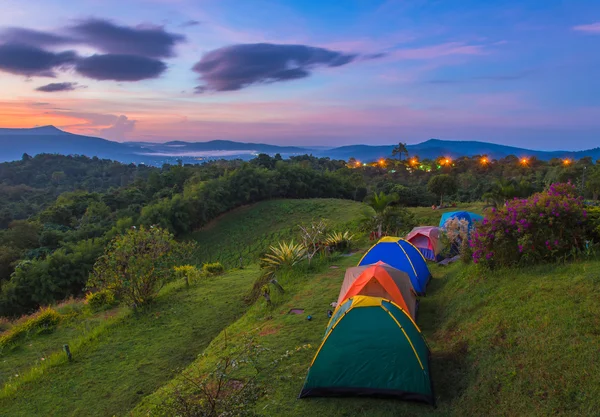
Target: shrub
x=593, y=222
x=339, y=241
x=312, y=235
x=545, y=227
x=285, y=255
x=136, y=265
x=44, y=321
x=4, y=324
x=188, y=273
x=100, y=299
x=215, y=268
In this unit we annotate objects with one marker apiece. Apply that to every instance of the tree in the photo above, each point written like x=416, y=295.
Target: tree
x=592, y=183
x=503, y=190
x=312, y=236
x=136, y=265
x=400, y=150
x=442, y=185
x=382, y=203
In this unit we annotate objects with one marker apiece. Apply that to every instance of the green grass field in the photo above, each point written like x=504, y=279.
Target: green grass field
x=248, y=231
x=135, y=356
x=428, y=217
x=512, y=343
x=515, y=342
x=34, y=350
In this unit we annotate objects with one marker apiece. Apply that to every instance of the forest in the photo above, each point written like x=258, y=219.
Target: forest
x=58, y=213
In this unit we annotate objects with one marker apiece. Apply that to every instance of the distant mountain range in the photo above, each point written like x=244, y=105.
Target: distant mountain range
x=49, y=139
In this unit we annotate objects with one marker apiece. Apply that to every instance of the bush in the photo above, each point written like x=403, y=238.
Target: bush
x=339, y=241
x=545, y=227
x=188, y=273
x=100, y=299
x=215, y=268
x=136, y=265
x=44, y=321
x=593, y=222
x=284, y=256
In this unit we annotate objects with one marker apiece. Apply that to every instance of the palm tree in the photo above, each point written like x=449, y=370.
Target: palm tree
x=400, y=150
x=382, y=204
x=503, y=190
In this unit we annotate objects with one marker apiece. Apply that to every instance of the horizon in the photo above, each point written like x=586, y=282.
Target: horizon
x=293, y=145
x=514, y=73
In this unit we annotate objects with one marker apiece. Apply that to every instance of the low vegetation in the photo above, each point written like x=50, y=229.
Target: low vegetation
x=192, y=274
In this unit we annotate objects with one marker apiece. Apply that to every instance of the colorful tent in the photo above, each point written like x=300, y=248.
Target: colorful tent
x=372, y=347
x=427, y=240
x=402, y=255
x=467, y=215
x=379, y=280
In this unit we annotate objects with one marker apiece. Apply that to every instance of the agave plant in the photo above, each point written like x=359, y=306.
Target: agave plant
x=284, y=255
x=339, y=240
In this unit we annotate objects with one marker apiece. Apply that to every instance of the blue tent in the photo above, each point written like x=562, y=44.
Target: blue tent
x=467, y=215
x=402, y=255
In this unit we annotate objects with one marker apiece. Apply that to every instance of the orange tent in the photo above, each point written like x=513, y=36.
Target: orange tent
x=379, y=280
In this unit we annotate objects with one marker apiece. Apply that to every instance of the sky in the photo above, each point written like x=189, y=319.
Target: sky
x=304, y=72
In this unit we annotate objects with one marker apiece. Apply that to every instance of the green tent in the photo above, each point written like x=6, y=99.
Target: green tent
x=372, y=347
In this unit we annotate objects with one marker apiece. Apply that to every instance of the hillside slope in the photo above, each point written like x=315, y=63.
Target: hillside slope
x=248, y=231
x=509, y=343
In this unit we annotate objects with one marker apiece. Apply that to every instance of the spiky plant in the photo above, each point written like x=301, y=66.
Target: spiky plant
x=284, y=255
x=339, y=240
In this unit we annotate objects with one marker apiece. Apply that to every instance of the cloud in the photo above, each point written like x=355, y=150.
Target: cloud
x=120, y=67
x=53, y=87
x=129, y=53
x=437, y=51
x=591, y=28
x=189, y=23
x=33, y=37
x=32, y=61
x=120, y=129
x=238, y=66
x=108, y=126
x=148, y=41
x=103, y=35
x=499, y=78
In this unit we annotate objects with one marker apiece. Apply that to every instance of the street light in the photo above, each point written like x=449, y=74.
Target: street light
x=524, y=161
x=566, y=161
x=484, y=160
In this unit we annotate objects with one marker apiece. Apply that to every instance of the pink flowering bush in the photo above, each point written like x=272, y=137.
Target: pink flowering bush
x=542, y=228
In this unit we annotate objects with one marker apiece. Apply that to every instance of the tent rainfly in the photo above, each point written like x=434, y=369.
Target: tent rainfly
x=427, y=240
x=372, y=347
x=379, y=280
x=402, y=255
x=467, y=215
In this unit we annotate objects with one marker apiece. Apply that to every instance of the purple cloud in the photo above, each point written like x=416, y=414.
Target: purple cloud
x=53, y=87
x=239, y=66
x=120, y=67
x=591, y=28
x=32, y=61
x=33, y=37
x=148, y=41
x=189, y=23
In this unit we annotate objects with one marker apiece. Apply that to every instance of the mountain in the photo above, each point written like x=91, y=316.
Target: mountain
x=434, y=148
x=222, y=145
x=49, y=139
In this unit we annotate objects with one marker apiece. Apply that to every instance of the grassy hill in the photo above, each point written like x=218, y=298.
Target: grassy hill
x=132, y=356
x=248, y=231
x=509, y=343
